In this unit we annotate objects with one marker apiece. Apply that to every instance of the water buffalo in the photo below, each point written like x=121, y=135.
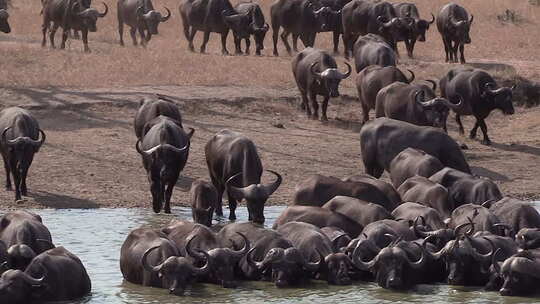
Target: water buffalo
x=517, y=214
x=297, y=17
x=465, y=188
x=371, y=79
x=4, y=15
x=313, y=244
x=212, y=16
x=362, y=212
x=411, y=162
x=234, y=165
x=481, y=217
x=413, y=103
x=418, y=28
x=164, y=150
x=148, y=258
x=150, y=108
x=411, y=212
x=141, y=16
x=383, y=139
x=204, y=199
x=317, y=189
x=316, y=73
x=257, y=27
x=361, y=17
x=69, y=14
x=386, y=188
x=191, y=238
x=520, y=275
x=430, y=194
x=480, y=96
x=25, y=236
x=339, y=238
x=528, y=238
x=372, y=49
x=454, y=25
x=19, y=141
x=54, y=275
x=319, y=217
x=272, y=257
x=381, y=233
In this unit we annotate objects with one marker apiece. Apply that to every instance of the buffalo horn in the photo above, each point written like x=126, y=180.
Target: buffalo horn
x=420, y=262
x=240, y=253
x=419, y=98
x=316, y=74
x=171, y=148
x=271, y=188
x=335, y=241
x=433, y=83
x=33, y=281
x=190, y=251
x=314, y=266
x=257, y=265
x=412, y=76
x=101, y=15
x=357, y=260
x=495, y=260
x=349, y=71
x=457, y=230
x=432, y=19
x=437, y=255
x=144, y=261
x=482, y=257
x=423, y=234
x=471, y=20
x=163, y=19
x=206, y=268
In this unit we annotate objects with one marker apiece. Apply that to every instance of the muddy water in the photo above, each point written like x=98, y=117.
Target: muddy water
x=96, y=235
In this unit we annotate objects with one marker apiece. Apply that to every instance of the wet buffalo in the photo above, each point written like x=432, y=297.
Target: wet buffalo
x=148, y=258
x=257, y=27
x=20, y=139
x=430, y=194
x=411, y=212
x=371, y=79
x=69, y=14
x=141, y=16
x=520, y=274
x=234, y=165
x=411, y=162
x=383, y=139
x=150, y=108
x=418, y=28
x=164, y=150
x=313, y=244
x=517, y=214
x=413, y=103
x=360, y=211
x=204, y=199
x=4, y=15
x=316, y=73
x=373, y=49
x=54, y=275
x=454, y=24
x=319, y=217
x=25, y=236
x=480, y=94
x=381, y=233
x=481, y=217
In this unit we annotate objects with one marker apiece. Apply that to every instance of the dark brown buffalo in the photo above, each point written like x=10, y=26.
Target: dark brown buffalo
x=430, y=194
x=150, y=108
x=361, y=17
x=212, y=16
x=148, y=258
x=204, y=199
x=380, y=234
x=25, y=236
x=319, y=217
x=313, y=244
x=234, y=165
x=383, y=139
x=339, y=238
x=413, y=103
x=481, y=217
x=412, y=212
x=164, y=150
x=454, y=25
x=411, y=162
x=528, y=238
x=316, y=73
x=373, y=49
x=20, y=139
x=417, y=30
x=141, y=16
x=464, y=188
x=69, y=14
x=481, y=95
x=190, y=239
x=362, y=212
x=517, y=214
x=257, y=27
x=386, y=188
x=371, y=79
x=4, y=15
x=54, y=275
x=520, y=274
x=317, y=189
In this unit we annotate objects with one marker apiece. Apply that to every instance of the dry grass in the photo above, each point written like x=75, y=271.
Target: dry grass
x=167, y=61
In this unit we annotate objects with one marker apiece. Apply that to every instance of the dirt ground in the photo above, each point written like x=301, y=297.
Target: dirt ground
x=89, y=159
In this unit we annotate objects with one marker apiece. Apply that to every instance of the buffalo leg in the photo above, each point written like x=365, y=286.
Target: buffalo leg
x=191, y=37
x=336, y=42
x=155, y=189
x=483, y=126
x=295, y=42
x=8, y=172
x=148, y=38
x=187, y=34
x=472, y=134
x=220, y=189
x=205, y=41
x=143, y=37
x=408, y=46
x=232, y=206
x=413, y=43
x=324, y=107
x=24, y=190
x=65, y=35
x=370, y=163
x=275, y=34
x=168, y=195
x=284, y=38
x=224, y=43
x=446, y=49
x=85, y=40
x=17, y=181
x=133, y=33
x=237, y=47
x=460, y=125
x=248, y=45
x=315, y=105
x=461, y=51
x=44, y=29
x=52, y=33
x=305, y=104
x=121, y=30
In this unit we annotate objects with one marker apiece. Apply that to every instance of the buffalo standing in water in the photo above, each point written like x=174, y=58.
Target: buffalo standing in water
x=141, y=16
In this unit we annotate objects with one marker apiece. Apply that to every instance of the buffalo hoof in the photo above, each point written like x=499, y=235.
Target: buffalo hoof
x=276, y=53
x=486, y=142
x=324, y=119
x=232, y=217
x=225, y=53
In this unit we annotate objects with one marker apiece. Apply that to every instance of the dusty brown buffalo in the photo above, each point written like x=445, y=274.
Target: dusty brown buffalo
x=383, y=186
x=454, y=24
x=373, y=49
x=204, y=199
x=517, y=214
x=362, y=212
x=371, y=79
x=423, y=191
x=141, y=16
x=411, y=162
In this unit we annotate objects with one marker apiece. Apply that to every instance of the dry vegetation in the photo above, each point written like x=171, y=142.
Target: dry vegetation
x=166, y=61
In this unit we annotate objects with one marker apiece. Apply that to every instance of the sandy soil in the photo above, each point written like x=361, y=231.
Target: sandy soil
x=89, y=158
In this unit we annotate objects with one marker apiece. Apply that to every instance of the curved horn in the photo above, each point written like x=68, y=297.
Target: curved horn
x=33, y=281
x=149, y=151
x=206, y=268
x=240, y=253
x=477, y=255
x=190, y=133
x=316, y=74
x=420, y=233
x=173, y=148
x=471, y=19
x=436, y=255
x=101, y=15
x=257, y=265
x=144, y=261
x=4, y=138
x=432, y=19
x=505, y=227
x=163, y=19
x=357, y=260
x=39, y=143
x=349, y=71
x=419, y=98
x=271, y=188
x=418, y=264
x=452, y=105
x=138, y=147
x=433, y=83
x=495, y=261
x=190, y=251
x=457, y=230
x=314, y=266
x=335, y=241
x=238, y=191
x=412, y=76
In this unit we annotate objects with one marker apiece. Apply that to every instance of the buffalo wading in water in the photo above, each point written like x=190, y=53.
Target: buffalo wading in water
x=204, y=199
x=4, y=15
x=520, y=273
x=454, y=24
x=257, y=28
x=141, y=16
x=418, y=28
x=69, y=14
x=316, y=73
x=20, y=139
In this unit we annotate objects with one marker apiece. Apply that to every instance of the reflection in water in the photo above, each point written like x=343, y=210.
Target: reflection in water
x=96, y=235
